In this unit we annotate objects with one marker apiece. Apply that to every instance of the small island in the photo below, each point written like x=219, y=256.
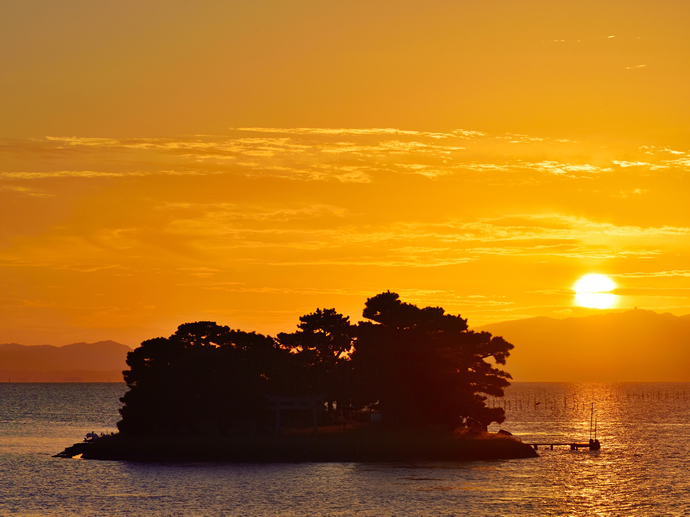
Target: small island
x=407, y=384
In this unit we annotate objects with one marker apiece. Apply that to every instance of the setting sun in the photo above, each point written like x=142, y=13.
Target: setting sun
x=592, y=291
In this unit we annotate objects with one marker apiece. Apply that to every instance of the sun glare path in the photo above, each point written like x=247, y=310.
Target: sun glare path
x=592, y=291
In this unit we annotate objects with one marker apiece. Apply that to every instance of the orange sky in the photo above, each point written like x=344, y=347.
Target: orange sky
x=247, y=162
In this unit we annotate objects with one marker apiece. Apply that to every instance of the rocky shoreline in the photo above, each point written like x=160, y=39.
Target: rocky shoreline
x=350, y=446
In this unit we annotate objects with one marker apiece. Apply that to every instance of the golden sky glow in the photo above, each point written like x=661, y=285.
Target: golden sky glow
x=248, y=162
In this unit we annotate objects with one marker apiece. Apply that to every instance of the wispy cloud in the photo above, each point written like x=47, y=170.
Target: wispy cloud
x=350, y=131
x=625, y=164
x=341, y=155
x=417, y=244
x=237, y=212
x=84, y=268
x=656, y=274
x=26, y=191
x=66, y=174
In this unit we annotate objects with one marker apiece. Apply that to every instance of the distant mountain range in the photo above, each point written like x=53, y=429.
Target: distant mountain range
x=637, y=345
x=80, y=362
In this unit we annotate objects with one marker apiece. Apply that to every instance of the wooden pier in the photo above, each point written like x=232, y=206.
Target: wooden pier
x=592, y=445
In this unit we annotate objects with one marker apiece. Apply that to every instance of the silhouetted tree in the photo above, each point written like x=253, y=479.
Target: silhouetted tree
x=205, y=378
x=425, y=367
x=321, y=347
x=421, y=365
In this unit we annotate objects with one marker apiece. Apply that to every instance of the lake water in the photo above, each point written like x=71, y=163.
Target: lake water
x=642, y=468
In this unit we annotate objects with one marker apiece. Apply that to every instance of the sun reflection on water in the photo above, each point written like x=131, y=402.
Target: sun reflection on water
x=633, y=422
x=641, y=469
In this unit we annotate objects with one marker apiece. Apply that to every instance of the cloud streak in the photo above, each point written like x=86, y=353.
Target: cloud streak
x=656, y=274
x=343, y=155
